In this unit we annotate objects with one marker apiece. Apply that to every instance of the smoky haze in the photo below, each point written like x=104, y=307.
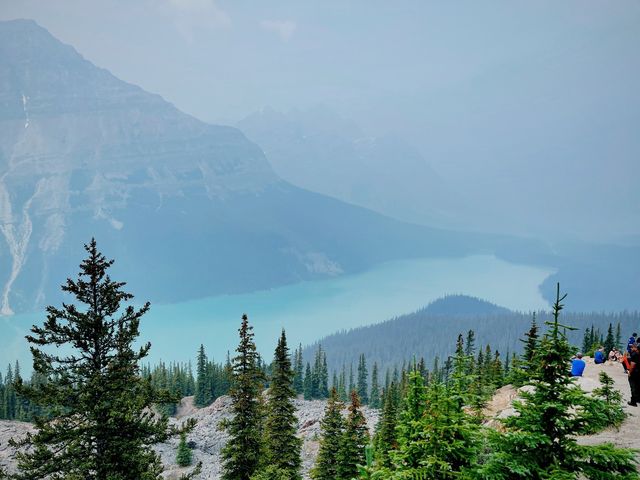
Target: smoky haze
x=522, y=117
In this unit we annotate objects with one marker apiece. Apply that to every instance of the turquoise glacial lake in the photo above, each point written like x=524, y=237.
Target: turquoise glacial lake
x=311, y=310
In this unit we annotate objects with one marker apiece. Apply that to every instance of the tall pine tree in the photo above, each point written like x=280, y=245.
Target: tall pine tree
x=374, y=400
x=332, y=428
x=354, y=440
x=241, y=455
x=282, y=447
x=99, y=425
x=202, y=396
x=363, y=378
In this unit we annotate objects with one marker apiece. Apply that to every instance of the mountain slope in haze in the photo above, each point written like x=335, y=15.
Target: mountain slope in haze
x=318, y=150
x=187, y=209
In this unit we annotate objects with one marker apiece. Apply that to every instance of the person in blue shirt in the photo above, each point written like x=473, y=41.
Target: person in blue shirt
x=632, y=341
x=577, y=366
x=598, y=357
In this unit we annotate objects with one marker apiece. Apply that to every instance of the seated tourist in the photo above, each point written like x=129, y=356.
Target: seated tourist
x=598, y=357
x=577, y=366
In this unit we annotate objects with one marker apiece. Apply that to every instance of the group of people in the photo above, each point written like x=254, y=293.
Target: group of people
x=630, y=363
x=578, y=364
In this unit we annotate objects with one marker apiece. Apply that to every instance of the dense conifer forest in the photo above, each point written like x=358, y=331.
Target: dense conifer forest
x=93, y=407
x=427, y=333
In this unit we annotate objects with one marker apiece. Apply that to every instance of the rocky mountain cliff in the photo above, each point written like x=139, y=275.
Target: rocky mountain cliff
x=85, y=154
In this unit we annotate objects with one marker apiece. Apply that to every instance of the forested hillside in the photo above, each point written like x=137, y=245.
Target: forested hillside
x=429, y=332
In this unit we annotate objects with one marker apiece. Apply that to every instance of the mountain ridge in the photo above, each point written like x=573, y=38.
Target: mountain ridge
x=83, y=154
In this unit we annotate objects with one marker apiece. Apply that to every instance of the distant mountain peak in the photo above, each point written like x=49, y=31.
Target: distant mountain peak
x=464, y=305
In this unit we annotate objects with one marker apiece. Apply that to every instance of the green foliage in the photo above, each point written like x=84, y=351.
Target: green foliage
x=540, y=441
x=282, y=447
x=184, y=456
x=604, y=408
x=202, y=396
x=436, y=438
x=13, y=406
x=176, y=378
x=308, y=383
x=374, y=401
x=298, y=369
x=272, y=472
x=363, y=377
x=385, y=439
x=609, y=342
x=99, y=423
x=242, y=453
x=354, y=440
x=409, y=432
x=332, y=427
x=521, y=368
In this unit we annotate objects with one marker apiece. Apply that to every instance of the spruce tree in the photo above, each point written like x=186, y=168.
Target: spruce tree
x=298, y=379
x=460, y=377
x=308, y=383
x=241, y=455
x=470, y=351
x=316, y=374
x=352, y=384
x=386, y=439
x=374, y=401
x=202, y=379
x=332, y=428
x=363, y=377
x=610, y=341
x=611, y=401
x=540, y=441
x=354, y=440
x=184, y=456
x=342, y=385
x=99, y=424
x=282, y=447
x=323, y=388
x=10, y=400
x=410, y=434
x=530, y=342
x=3, y=413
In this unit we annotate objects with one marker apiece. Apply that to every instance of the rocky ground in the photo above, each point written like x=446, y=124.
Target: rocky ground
x=207, y=439
x=626, y=436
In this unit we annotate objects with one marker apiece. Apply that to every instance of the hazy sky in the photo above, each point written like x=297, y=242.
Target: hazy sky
x=533, y=107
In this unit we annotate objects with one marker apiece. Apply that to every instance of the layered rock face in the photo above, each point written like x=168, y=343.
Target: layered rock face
x=84, y=154
x=78, y=147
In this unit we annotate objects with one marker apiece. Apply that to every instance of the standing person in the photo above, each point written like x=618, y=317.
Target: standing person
x=634, y=375
x=577, y=366
x=598, y=357
x=632, y=340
